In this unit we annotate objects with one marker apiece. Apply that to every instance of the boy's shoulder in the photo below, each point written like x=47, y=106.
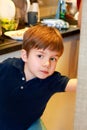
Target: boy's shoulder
x=11, y=62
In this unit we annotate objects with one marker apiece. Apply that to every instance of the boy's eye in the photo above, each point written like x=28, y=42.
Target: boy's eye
x=40, y=56
x=53, y=59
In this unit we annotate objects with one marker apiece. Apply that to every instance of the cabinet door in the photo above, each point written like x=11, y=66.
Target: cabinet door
x=68, y=62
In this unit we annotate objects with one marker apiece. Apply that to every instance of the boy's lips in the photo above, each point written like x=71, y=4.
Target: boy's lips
x=45, y=72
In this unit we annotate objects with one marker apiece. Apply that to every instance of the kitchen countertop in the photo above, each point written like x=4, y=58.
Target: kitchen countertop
x=8, y=45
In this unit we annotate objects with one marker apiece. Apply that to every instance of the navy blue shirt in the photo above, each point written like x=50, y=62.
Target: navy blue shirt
x=23, y=102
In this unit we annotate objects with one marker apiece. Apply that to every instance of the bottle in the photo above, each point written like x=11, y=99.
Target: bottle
x=58, y=10
x=33, y=13
x=61, y=10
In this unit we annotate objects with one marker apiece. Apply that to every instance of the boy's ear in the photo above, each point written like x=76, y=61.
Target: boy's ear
x=24, y=55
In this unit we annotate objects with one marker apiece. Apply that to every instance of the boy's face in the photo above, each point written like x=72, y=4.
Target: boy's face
x=39, y=63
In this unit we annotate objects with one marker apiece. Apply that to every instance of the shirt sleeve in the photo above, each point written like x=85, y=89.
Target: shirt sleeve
x=58, y=82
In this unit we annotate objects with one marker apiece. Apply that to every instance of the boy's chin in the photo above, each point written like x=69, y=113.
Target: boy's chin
x=43, y=77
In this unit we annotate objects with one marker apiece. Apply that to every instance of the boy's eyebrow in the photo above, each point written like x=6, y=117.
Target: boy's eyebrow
x=41, y=51
x=57, y=55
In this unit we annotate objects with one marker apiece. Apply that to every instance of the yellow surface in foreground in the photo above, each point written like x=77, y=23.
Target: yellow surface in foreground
x=59, y=113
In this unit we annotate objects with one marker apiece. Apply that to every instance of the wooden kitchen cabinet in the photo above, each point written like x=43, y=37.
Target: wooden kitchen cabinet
x=68, y=62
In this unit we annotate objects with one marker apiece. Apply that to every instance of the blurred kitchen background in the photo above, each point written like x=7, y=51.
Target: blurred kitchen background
x=48, y=8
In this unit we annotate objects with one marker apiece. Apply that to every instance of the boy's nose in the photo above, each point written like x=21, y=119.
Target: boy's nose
x=47, y=63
